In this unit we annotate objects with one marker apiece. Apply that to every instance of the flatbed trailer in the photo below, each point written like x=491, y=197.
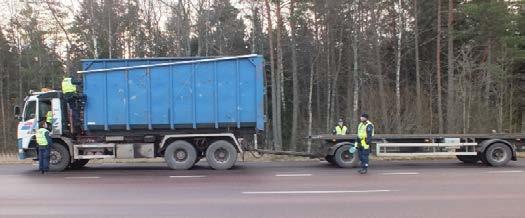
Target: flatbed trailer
x=491, y=149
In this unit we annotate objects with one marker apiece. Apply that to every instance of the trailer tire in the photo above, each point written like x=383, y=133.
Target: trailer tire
x=344, y=159
x=180, y=155
x=470, y=159
x=498, y=154
x=59, y=157
x=77, y=164
x=221, y=155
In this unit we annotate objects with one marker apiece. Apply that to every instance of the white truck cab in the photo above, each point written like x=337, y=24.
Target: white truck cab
x=36, y=107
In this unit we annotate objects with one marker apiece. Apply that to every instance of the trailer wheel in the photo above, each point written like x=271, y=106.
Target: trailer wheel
x=344, y=159
x=79, y=163
x=330, y=159
x=58, y=157
x=180, y=155
x=498, y=154
x=468, y=158
x=221, y=155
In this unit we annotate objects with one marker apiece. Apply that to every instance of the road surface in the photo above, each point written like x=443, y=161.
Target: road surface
x=430, y=188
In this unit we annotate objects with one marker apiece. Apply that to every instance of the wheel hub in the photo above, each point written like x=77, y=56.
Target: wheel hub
x=54, y=157
x=346, y=156
x=221, y=155
x=180, y=155
x=498, y=154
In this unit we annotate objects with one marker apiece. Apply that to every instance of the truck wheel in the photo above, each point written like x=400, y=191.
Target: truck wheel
x=330, y=159
x=221, y=155
x=78, y=163
x=58, y=157
x=180, y=155
x=344, y=159
x=498, y=154
x=468, y=158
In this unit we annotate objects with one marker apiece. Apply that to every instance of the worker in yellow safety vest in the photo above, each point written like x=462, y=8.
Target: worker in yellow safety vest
x=49, y=118
x=365, y=132
x=340, y=129
x=44, y=141
x=69, y=90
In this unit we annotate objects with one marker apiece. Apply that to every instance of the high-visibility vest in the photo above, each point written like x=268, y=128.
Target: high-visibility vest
x=41, y=138
x=67, y=86
x=362, y=133
x=340, y=130
x=49, y=117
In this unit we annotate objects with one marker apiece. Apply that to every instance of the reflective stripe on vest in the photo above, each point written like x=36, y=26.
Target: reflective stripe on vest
x=41, y=139
x=362, y=134
x=49, y=117
x=340, y=130
x=68, y=87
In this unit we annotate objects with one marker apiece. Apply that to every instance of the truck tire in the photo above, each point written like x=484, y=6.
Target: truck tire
x=330, y=159
x=221, y=155
x=78, y=163
x=498, y=154
x=468, y=158
x=344, y=159
x=180, y=155
x=58, y=157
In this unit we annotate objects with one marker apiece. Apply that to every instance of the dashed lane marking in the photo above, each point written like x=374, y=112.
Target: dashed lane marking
x=401, y=173
x=198, y=176
x=293, y=175
x=83, y=177
x=315, y=192
x=506, y=171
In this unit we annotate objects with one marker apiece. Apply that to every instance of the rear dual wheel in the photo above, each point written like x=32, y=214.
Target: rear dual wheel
x=221, y=155
x=180, y=155
x=497, y=154
x=344, y=159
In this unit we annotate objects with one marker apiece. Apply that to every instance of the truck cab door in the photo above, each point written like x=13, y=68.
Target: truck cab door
x=56, y=108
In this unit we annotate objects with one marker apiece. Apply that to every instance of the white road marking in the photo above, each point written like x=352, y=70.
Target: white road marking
x=293, y=175
x=506, y=171
x=402, y=173
x=83, y=177
x=315, y=192
x=200, y=176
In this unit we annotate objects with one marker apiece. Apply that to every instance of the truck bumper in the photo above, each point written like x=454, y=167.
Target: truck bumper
x=21, y=152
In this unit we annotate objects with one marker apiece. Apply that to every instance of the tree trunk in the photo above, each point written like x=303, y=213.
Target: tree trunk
x=2, y=106
x=355, y=105
x=280, y=68
x=419, y=107
x=295, y=80
x=310, y=93
x=277, y=138
x=438, y=68
x=398, y=69
x=450, y=70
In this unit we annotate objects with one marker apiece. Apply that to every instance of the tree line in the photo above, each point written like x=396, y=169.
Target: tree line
x=442, y=66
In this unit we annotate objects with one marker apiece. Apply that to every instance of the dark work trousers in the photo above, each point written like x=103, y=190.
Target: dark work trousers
x=363, y=157
x=43, y=158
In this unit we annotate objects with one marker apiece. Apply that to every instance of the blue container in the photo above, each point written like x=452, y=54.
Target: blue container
x=207, y=93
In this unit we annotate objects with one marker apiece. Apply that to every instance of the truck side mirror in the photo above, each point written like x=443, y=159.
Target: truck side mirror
x=16, y=109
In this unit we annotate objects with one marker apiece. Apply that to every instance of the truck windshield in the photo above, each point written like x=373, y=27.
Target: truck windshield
x=29, y=110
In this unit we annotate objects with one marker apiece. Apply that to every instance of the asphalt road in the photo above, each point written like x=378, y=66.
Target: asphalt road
x=439, y=188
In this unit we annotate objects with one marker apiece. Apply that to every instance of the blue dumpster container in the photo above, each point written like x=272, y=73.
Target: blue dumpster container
x=212, y=93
